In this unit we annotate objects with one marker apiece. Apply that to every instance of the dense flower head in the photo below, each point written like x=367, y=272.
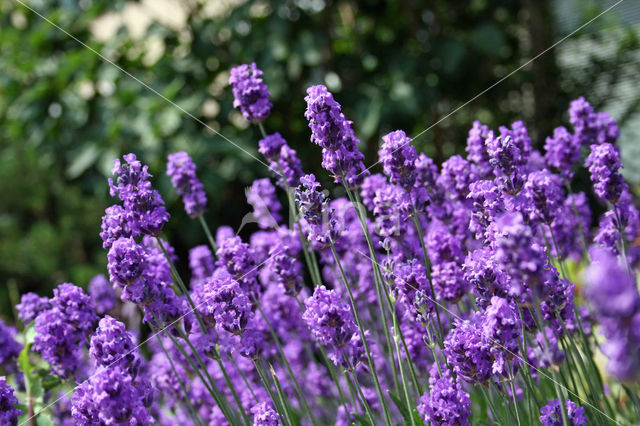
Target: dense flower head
x=484, y=276
x=562, y=152
x=604, y=165
x=476, y=150
x=143, y=206
x=455, y=177
x=448, y=281
x=111, y=396
x=112, y=344
x=182, y=171
x=550, y=414
x=287, y=271
x=30, y=306
x=410, y=280
x=75, y=305
x=442, y=245
x=332, y=131
x=544, y=196
x=584, y=121
x=446, y=403
x=370, y=185
x=487, y=205
x=331, y=323
x=501, y=325
x=621, y=223
x=608, y=130
x=8, y=412
x=225, y=304
x=58, y=342
x=114, y=225
x=126, y=261
x=504, y=153
x=250, y=93
x=266, y=207
x=102, y=294
x=237, y=259
x=468, y=350
x=398, y=157
x=270, y=146
x=571, y=226
x=391, y=210
x=264, y=415
x=314, y=208
x=283, y=160
x=201, y=262
x=616, y=301
x=427, y=173
x=9, y=347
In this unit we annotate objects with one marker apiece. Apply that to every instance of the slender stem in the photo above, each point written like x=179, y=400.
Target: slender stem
x=207, y=231
x=427, y=265
x=512, y=378
x=183, y=288
x=278, y=403
x=287, y=366
x=192, y=411
x=404, y=382
x=362, y=336
x=244, y=377
x=362, y=398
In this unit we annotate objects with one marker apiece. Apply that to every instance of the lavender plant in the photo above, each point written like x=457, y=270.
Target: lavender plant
x=447, y=294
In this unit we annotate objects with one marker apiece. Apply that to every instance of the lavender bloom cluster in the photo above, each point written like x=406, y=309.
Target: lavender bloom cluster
x=443, y=294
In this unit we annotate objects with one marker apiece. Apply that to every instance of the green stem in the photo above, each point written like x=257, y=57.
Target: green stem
x=363, y=337
x=279, y=403
x=207, y=231
x=404, y=382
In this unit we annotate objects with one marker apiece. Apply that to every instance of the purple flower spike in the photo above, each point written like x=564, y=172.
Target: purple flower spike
x=446, y=404
x=476, y=151
x=126, y=261
x=30, y=306
x=283, y=161
x=332, y=131
x=182, y=171
x=8, y=412
x=584, y=121
x=224, y=304
x=264, y=415
x=603, y=163
x=544, y=196
x=266, y=207
x=250, y=94
x=314, y=208
x=112, y=345
x=398, y=157
x=331, y=323
x=102, y=294
x=562, y=151
x=201, y=262
x=550, y=414
x=501, y=325
x=9, y=347
x=467, y=349
x=114, y=225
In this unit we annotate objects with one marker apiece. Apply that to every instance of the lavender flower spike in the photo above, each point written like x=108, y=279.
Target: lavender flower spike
x=398, y=157
x=266, y=207
x=314, y=208
x=250, y=93
x=603, y=163
x=550, y=414
x=446, y=403
x=182, y=171
x=8, y=411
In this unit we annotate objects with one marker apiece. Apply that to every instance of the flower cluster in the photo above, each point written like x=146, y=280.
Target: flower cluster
x=250, y=94
x=182, y=171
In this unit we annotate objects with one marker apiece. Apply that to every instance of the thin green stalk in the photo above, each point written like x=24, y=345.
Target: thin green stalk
x=287, y=366
x=363, y=337
x=244, y=377
x=363, y=399
x=284, y=413
x=512, y=378
x=192, y=411
x=281, y=394
x=412, y=370
x=490, y=402
x=207, y=231
x=427, y=264
x=180, y=283
x=561, y=398
x=404, y=382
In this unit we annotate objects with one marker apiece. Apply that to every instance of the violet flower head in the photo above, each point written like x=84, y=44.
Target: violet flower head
x=427, y=173
x=476, y=150
x=112, y=345
x=225, y=304
x=314, y=208
x=584, y=121
x=504, y=155
x=102, y=294
x=562, y=152
x=332, y=131
x=398, y=157
x=331, y=323
x=391, y=210
x=624, y=218
x=442, y=245
x=8, y=412
x=370, y=185
x=568, y=229
x=544, y=196
x=250, y=93
x=287, y=271
x=114, y=225
x=486, y=205
x=30, y=306
x=182, y=171
x=604, y=165
x=264, y=415
x=446, y=404
x=410, y=280
x=201, y=262
x=9, y=347
x=266, y=206
x=550, y=414
x=143, y=205
x=608, y=130
x=76, y=306
x=455, y=177
x=616, y=302
x=126, y=261
x=501, y=326
x=111, y=396
x=484, y=276
x=467, y=349
x=238, y=260
x=448, y=281
x=270, y=146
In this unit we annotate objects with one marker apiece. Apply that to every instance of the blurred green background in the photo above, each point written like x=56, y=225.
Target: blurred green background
x=65, y=114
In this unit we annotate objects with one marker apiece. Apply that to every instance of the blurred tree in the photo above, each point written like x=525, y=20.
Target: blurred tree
x=65, y=114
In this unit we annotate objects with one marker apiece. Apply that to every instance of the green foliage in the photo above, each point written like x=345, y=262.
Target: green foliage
x=65, y=114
